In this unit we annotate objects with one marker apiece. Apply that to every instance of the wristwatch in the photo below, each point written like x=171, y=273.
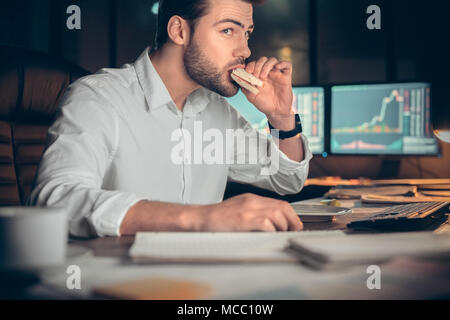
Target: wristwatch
x=289, y=134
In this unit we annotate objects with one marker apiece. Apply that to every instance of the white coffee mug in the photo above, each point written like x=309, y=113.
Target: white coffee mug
x=32, y=238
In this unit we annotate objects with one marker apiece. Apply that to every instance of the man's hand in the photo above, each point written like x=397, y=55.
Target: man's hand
x=245, y=212
x=249, y=212
x=275, y=97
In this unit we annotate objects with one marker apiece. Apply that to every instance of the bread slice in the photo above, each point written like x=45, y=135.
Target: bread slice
x=241, y=73
x=244, y=84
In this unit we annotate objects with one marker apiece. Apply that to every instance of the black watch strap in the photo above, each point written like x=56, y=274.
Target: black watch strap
x=289, y=134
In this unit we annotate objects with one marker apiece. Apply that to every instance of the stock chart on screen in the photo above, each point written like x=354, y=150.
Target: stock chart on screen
x=382, y=119
x=308, y=103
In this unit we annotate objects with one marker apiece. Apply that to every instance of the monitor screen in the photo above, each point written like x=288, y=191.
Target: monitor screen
x=308, y=103
x=382, y=119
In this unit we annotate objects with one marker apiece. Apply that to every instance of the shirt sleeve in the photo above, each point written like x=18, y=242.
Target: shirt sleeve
x=272, y=170
x=81, y=144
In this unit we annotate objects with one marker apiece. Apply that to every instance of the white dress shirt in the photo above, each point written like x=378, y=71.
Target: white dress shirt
x=112, y=145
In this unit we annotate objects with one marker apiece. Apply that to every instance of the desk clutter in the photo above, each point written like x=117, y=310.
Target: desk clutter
x=388, y=191
x=318, y=213
x=405, y=217
x=348, y=250
x=356, y=192
x=415, y=205
x=217, y=247
x=317, y=249
x=332, y=181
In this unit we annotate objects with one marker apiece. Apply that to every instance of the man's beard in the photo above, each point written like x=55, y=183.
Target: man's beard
x=205, y=73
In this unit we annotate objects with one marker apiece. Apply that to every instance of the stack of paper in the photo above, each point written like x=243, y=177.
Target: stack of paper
x=372, y=198
x=337, y=252
x=207, y=247
x=356, y=192
x=435, y=190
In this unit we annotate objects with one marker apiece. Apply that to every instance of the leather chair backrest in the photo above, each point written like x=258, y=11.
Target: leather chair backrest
x=31, y=83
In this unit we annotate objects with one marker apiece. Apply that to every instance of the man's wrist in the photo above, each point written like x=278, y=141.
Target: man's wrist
x=192, y=217
x=282, y=122
x=130, y=222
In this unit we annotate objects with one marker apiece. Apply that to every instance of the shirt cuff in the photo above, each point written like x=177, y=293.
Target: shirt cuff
x=289, y=166
x=109, y=221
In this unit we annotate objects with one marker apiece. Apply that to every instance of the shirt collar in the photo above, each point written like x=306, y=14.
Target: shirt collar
x=156, y=93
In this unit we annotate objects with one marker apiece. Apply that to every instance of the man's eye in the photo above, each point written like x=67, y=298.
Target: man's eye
x=228, y=31
x=248, y=34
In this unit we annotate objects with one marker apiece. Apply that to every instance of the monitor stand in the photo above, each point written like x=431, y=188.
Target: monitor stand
x=390, y=167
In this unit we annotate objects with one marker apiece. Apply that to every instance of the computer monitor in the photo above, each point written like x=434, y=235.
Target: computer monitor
x=390, y=119
x=308, y=103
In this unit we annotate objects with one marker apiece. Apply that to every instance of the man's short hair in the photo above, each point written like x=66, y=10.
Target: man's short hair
x=190, y=10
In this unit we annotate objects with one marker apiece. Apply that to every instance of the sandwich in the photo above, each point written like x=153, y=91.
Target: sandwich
x=246, y=80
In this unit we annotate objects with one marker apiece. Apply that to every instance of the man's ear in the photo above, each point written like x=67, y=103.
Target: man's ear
x=178, y=30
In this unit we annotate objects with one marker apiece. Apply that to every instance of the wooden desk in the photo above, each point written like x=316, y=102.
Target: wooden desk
x=105, y=261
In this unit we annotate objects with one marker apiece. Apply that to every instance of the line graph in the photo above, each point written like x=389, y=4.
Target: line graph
x=377, y=123
x=381, y=119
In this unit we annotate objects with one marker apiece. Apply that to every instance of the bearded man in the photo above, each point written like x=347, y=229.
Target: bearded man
x=110, y=158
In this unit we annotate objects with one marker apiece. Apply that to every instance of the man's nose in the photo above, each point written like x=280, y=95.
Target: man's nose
x=247, y=52
x=243, y=51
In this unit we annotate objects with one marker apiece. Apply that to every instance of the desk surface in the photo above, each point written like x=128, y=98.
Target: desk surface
x=105, y=261
x=118, y=247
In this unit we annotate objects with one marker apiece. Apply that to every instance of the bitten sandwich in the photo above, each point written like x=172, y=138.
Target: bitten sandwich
x=246, y=80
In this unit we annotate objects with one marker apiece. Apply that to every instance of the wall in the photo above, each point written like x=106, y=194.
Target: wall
x=326, y=40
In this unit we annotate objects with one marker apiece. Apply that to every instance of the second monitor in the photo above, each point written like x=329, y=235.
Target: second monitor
x=308, y=103
x=393, y=118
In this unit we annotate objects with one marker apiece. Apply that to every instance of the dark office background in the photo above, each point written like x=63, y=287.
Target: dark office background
x=327, y=41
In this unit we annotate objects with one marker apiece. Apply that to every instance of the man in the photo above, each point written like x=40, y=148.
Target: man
x=110, y=158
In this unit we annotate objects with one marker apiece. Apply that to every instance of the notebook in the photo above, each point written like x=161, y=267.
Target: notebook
x=342, y=251
x=221, y=247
